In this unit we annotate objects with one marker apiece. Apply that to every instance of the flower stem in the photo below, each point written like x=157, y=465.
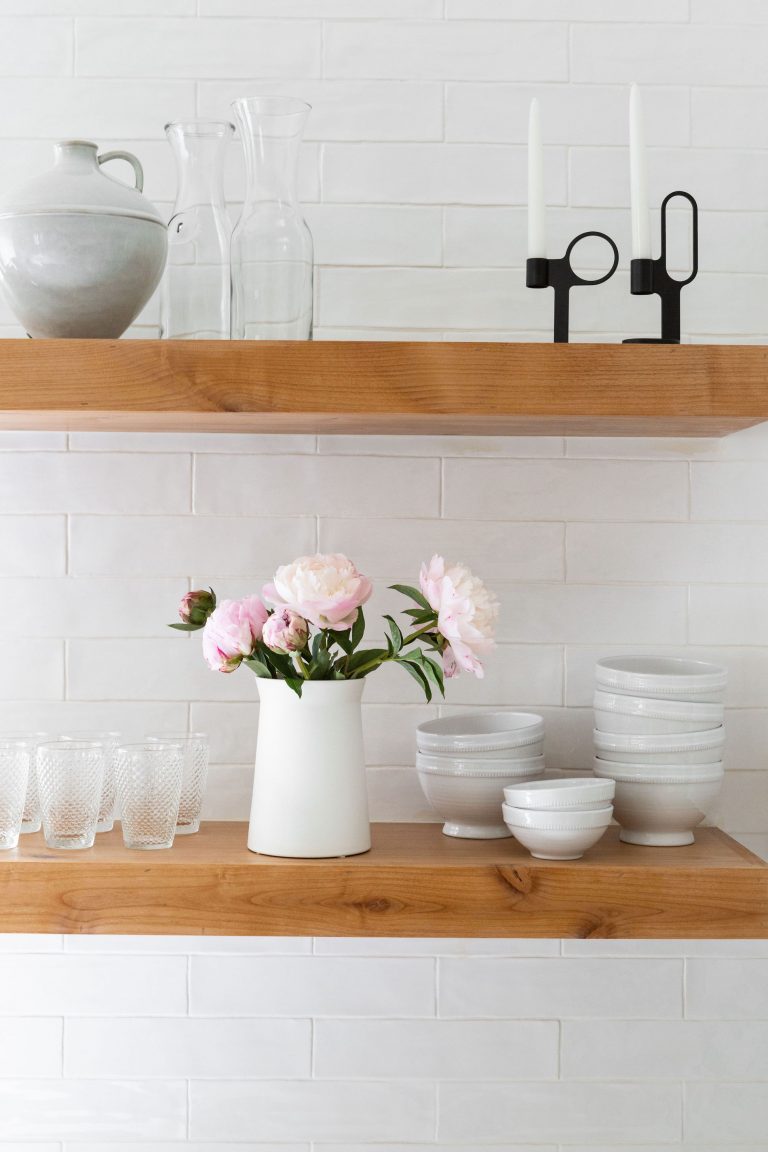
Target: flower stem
x=300, y=666
x=419, y=632
x=379, y=660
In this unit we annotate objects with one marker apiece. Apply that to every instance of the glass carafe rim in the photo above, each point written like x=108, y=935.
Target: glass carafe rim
x=203, y=128
x=269, y=105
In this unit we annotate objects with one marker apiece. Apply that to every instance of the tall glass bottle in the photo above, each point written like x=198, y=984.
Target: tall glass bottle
x=272, y=255
x=195, y=294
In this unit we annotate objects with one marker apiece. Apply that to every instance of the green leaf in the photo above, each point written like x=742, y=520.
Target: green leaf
x=417, y=674
x=294, y=684
x=187, y=627
x=259, y=668
x=435, y=674
x=358, y=629
x=344, y=641
x=316, y=644
x=320, y=666
x=420, y=615
x=412, y=594
x=282, y=664
x=396, y=634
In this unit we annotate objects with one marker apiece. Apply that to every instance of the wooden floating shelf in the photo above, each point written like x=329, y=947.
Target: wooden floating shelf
x=389, y=388
x=414, y=882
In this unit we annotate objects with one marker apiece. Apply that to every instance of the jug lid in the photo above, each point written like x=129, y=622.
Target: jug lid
x=78, y=184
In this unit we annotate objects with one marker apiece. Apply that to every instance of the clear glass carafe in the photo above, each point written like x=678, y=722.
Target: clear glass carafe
x=272, y=254
x=195, y=294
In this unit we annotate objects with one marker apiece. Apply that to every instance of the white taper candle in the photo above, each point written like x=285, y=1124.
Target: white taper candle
x=638, y=177
x=537, y=243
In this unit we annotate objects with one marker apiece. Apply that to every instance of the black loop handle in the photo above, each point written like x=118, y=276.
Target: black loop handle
x=695, y=247
x=575, y=278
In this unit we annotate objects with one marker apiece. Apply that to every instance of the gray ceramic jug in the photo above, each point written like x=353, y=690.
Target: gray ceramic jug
x=80, y=252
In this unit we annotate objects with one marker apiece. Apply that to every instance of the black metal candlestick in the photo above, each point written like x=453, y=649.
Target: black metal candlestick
x=649, y=276
x=541, y=272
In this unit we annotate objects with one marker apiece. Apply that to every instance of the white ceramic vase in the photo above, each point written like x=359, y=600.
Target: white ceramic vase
x=80, y=253
x=310, y=798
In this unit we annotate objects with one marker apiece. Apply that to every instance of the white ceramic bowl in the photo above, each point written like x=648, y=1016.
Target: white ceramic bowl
x=557, y=835
x=569, y=794
x=672, y=748
x=648, y=716
x=467, y=794
x=482, y=734
x=666, y=677
x=615, y=770
x=662, y=809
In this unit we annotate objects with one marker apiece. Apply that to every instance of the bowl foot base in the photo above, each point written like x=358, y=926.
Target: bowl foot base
x=476, y=831
x=556, y=856
x=656, y=839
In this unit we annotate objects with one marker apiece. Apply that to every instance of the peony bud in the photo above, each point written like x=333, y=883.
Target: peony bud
x=196, y=607
x=285, y=631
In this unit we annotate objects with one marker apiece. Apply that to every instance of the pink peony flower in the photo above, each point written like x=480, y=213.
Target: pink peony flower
x=285, y=631
x=466, y=613
x=326, y=590
x=232, y=631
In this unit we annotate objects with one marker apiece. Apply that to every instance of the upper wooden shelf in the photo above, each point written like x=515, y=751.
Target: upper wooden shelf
x=414, y=882
x=392, y=388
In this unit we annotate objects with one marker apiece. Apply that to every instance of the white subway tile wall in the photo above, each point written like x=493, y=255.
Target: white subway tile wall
x=414, y=181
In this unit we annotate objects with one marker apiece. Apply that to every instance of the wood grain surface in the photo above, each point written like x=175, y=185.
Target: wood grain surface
x=393, y=387
x=413, y=882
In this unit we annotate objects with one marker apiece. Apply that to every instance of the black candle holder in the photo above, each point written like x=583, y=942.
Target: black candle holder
x=649, y=276
x=541, y=272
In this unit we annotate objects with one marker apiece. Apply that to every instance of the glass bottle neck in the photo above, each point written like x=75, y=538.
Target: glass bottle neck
x=271, y=169
x=200, y=163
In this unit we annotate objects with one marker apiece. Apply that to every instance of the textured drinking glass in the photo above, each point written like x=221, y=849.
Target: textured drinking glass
x=194, y=299
x=70, y=777
x=272, y=253
x=109, y=741
x=149, y=776
x=30, y=821
x=15, y=757
x=196, y=756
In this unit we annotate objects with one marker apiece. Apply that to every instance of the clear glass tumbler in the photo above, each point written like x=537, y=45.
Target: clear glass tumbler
x=70, y=777
x=15, y=757
x=149, y=776
x=109, y=741
x=196, y=756
x=30, y=821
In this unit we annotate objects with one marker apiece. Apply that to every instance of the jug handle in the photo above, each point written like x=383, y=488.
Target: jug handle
x=138, y=171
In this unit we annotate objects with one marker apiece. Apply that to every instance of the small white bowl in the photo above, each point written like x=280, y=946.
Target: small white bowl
x=468, y=796
x=672, y=748
x=646, y=715
x=570, y=794
x=666, y=677
x=558, y=821
x=662, y=809
x=557, y=835
x=481, y=733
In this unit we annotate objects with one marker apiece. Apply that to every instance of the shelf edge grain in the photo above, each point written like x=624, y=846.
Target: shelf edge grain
x=414, y=882
x=405, y=388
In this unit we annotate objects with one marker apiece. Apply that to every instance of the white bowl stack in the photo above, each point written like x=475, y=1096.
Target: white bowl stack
x=659, y=734
x=465, y=761
x=558, y=819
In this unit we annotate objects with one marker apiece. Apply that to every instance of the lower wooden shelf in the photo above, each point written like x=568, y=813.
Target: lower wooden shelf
x=413, y=882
